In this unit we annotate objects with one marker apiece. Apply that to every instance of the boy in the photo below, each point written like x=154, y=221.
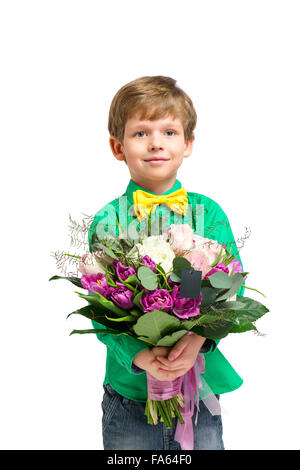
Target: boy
x=151, y=123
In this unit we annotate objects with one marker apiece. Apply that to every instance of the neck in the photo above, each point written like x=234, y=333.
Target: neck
x=157, y=187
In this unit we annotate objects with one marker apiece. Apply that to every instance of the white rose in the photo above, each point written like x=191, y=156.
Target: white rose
x=159, y=251
x=89, y=265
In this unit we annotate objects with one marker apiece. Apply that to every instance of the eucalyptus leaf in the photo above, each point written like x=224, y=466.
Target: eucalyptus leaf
x=175, y=278
x=107, y=250
x=220, y=280
x=237, y=280
x=147, y=277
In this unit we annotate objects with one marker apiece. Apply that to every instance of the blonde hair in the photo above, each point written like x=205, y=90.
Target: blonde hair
x=151, y=98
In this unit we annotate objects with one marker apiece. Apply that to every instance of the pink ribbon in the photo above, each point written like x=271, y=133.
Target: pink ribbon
x=191, y=382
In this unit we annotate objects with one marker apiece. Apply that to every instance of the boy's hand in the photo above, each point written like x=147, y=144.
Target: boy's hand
x=146, y=358
x=181, y=358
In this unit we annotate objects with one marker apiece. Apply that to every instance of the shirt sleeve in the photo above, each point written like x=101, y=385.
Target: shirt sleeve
x=125, y=347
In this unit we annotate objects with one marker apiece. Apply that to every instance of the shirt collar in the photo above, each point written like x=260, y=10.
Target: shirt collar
x=132, y=187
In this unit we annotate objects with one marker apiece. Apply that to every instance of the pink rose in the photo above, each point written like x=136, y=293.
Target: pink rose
x=198, y=260
x=210, y=248
x=181, y=237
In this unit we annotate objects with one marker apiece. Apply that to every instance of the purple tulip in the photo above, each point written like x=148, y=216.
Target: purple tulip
x=97, y=283
x=217, y=268
x=149, y=262
x=123, y=272
x=159, y=299
x=237, y=266
x=183, y=306
x=122, y=296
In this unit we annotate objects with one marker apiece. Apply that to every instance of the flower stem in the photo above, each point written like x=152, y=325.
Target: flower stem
x=251, y=288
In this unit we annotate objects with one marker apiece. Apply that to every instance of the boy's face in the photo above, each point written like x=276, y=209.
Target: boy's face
x=153, y=150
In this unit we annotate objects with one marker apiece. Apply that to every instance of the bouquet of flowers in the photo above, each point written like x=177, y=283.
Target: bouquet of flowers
x=134, y=288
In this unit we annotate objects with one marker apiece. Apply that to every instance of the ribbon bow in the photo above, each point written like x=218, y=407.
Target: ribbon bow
x=143, y=202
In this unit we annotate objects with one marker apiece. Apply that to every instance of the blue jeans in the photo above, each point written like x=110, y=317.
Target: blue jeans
x=125, y=427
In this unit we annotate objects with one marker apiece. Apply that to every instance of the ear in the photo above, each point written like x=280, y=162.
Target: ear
x=117, y=148
x=188, y=147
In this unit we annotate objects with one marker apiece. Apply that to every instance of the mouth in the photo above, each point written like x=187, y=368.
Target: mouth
x=156, y=160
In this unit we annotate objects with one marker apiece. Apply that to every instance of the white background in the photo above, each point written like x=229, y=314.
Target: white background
x=61, y=64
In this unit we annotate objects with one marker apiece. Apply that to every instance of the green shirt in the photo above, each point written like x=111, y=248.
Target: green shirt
x=207, y=219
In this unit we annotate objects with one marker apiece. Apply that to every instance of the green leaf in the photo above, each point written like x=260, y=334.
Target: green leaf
x=170, y=340
x=146, y=340
x=208, y=296
x=94, y=313
x=252, y=308
x=232, y=304
x=147, y=277
x=128, y=318
x=241, y=326
x=218, y=331
x=95, y=330
x=137, y=299
x=180, y=263
x=131, y=280
x=106, y=304
x=75, y=280
x=218, y=258
x=155, y=325
x=220, y=280
x=109, y=280
x=208, y=318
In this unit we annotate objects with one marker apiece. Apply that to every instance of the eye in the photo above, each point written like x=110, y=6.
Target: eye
x=171, y=131
x=140, y=132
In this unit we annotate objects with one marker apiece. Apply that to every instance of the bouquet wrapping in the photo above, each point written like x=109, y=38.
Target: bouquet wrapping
x=135, y=288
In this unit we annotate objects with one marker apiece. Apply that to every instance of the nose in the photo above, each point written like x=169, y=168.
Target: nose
x=155, y=142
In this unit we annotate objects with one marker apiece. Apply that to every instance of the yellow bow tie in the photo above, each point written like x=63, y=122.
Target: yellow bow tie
x=143, y=202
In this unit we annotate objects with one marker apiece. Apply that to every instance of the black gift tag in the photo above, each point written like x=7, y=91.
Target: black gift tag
x=190, y=283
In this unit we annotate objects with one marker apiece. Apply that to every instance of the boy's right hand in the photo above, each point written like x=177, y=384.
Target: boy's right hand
x=145, y=360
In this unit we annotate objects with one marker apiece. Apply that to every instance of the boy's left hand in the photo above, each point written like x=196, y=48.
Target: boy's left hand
x=182, y=356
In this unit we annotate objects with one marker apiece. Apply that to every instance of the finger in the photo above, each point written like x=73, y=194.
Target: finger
x=168, y=375
x=172, y=365
x=177, y=350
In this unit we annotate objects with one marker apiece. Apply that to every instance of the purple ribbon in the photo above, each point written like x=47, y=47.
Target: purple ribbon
x=191, y=382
